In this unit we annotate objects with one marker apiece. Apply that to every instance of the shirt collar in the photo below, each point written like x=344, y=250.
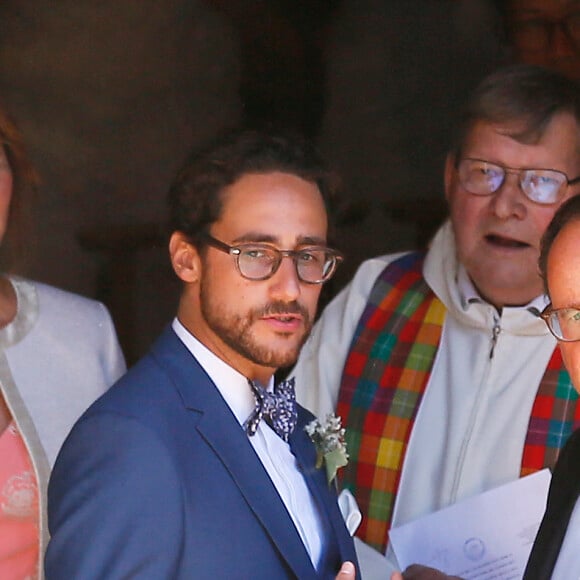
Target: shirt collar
x=232, y=385
x=470, y=295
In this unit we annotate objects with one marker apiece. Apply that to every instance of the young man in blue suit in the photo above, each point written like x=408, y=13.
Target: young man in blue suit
x=178, y=472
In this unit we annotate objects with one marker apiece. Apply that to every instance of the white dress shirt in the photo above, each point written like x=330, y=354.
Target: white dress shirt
x=274, y=452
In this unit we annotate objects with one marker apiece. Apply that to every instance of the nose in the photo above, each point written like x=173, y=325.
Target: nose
x=285, y=284
x=509, y=201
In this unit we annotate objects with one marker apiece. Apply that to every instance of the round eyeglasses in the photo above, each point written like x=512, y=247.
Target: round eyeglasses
x=254, y=261
x=543, y=186
x=564, y=323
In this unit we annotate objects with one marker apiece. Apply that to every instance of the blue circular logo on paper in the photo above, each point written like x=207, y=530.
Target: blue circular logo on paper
x=474, y=549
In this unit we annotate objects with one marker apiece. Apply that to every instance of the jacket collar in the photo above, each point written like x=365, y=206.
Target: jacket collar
x=223, y=433
x=442, y=270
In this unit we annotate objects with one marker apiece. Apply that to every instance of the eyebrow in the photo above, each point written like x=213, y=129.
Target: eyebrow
x=261, y=238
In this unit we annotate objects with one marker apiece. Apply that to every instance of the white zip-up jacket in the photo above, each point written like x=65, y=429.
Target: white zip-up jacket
x=471, y=425
x=56, y=357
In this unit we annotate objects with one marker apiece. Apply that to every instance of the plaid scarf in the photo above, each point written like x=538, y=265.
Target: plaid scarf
x=385, y=376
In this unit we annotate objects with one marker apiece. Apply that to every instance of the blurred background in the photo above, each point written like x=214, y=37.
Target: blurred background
x=111, y=95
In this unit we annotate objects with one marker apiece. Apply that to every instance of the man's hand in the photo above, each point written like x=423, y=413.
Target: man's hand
x=346, y=572
x=417, y=572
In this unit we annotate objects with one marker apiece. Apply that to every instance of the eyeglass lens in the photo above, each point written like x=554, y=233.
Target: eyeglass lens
x=483, y=178
x=565, y=323
x=312, y=265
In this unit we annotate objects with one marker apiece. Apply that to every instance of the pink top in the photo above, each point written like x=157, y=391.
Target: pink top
x=18, y=509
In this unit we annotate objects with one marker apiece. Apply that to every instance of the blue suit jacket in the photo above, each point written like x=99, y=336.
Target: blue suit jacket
x=157, y=480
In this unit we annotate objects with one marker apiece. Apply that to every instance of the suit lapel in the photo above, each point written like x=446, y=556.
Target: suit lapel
x=222, y=432
x=245, y=468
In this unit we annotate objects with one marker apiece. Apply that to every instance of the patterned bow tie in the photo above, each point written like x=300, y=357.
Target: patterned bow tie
x=278, y=409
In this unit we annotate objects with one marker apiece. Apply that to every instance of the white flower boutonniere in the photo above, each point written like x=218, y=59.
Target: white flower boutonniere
x=328, y=438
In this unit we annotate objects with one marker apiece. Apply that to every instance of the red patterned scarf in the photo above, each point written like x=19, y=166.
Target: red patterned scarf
x=384, y=378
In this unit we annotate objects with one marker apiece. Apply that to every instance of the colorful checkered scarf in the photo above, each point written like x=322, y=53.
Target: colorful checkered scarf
x=384, y=378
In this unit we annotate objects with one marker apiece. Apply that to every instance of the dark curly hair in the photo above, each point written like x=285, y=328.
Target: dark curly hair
x=195, y=197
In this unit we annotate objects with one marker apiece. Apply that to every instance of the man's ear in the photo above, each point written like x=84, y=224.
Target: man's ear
x=450, y=175
x=184, y=258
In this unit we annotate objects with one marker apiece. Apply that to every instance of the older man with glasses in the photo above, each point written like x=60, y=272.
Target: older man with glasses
x=438, y=362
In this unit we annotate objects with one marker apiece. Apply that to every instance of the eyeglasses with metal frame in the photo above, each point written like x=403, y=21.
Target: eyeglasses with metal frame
x=564, y=323
x=541, y=186
x=258, y=261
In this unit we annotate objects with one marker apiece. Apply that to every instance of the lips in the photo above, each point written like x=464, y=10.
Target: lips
x=505, y=242
x=285, y=324
x=284, y=318
x=283, y=311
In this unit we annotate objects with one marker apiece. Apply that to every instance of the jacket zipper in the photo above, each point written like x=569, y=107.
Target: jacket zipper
x=494, y=335
x=473, y=415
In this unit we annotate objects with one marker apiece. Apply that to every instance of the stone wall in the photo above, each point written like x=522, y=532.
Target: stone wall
x=398, y=71
x=111, y=95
